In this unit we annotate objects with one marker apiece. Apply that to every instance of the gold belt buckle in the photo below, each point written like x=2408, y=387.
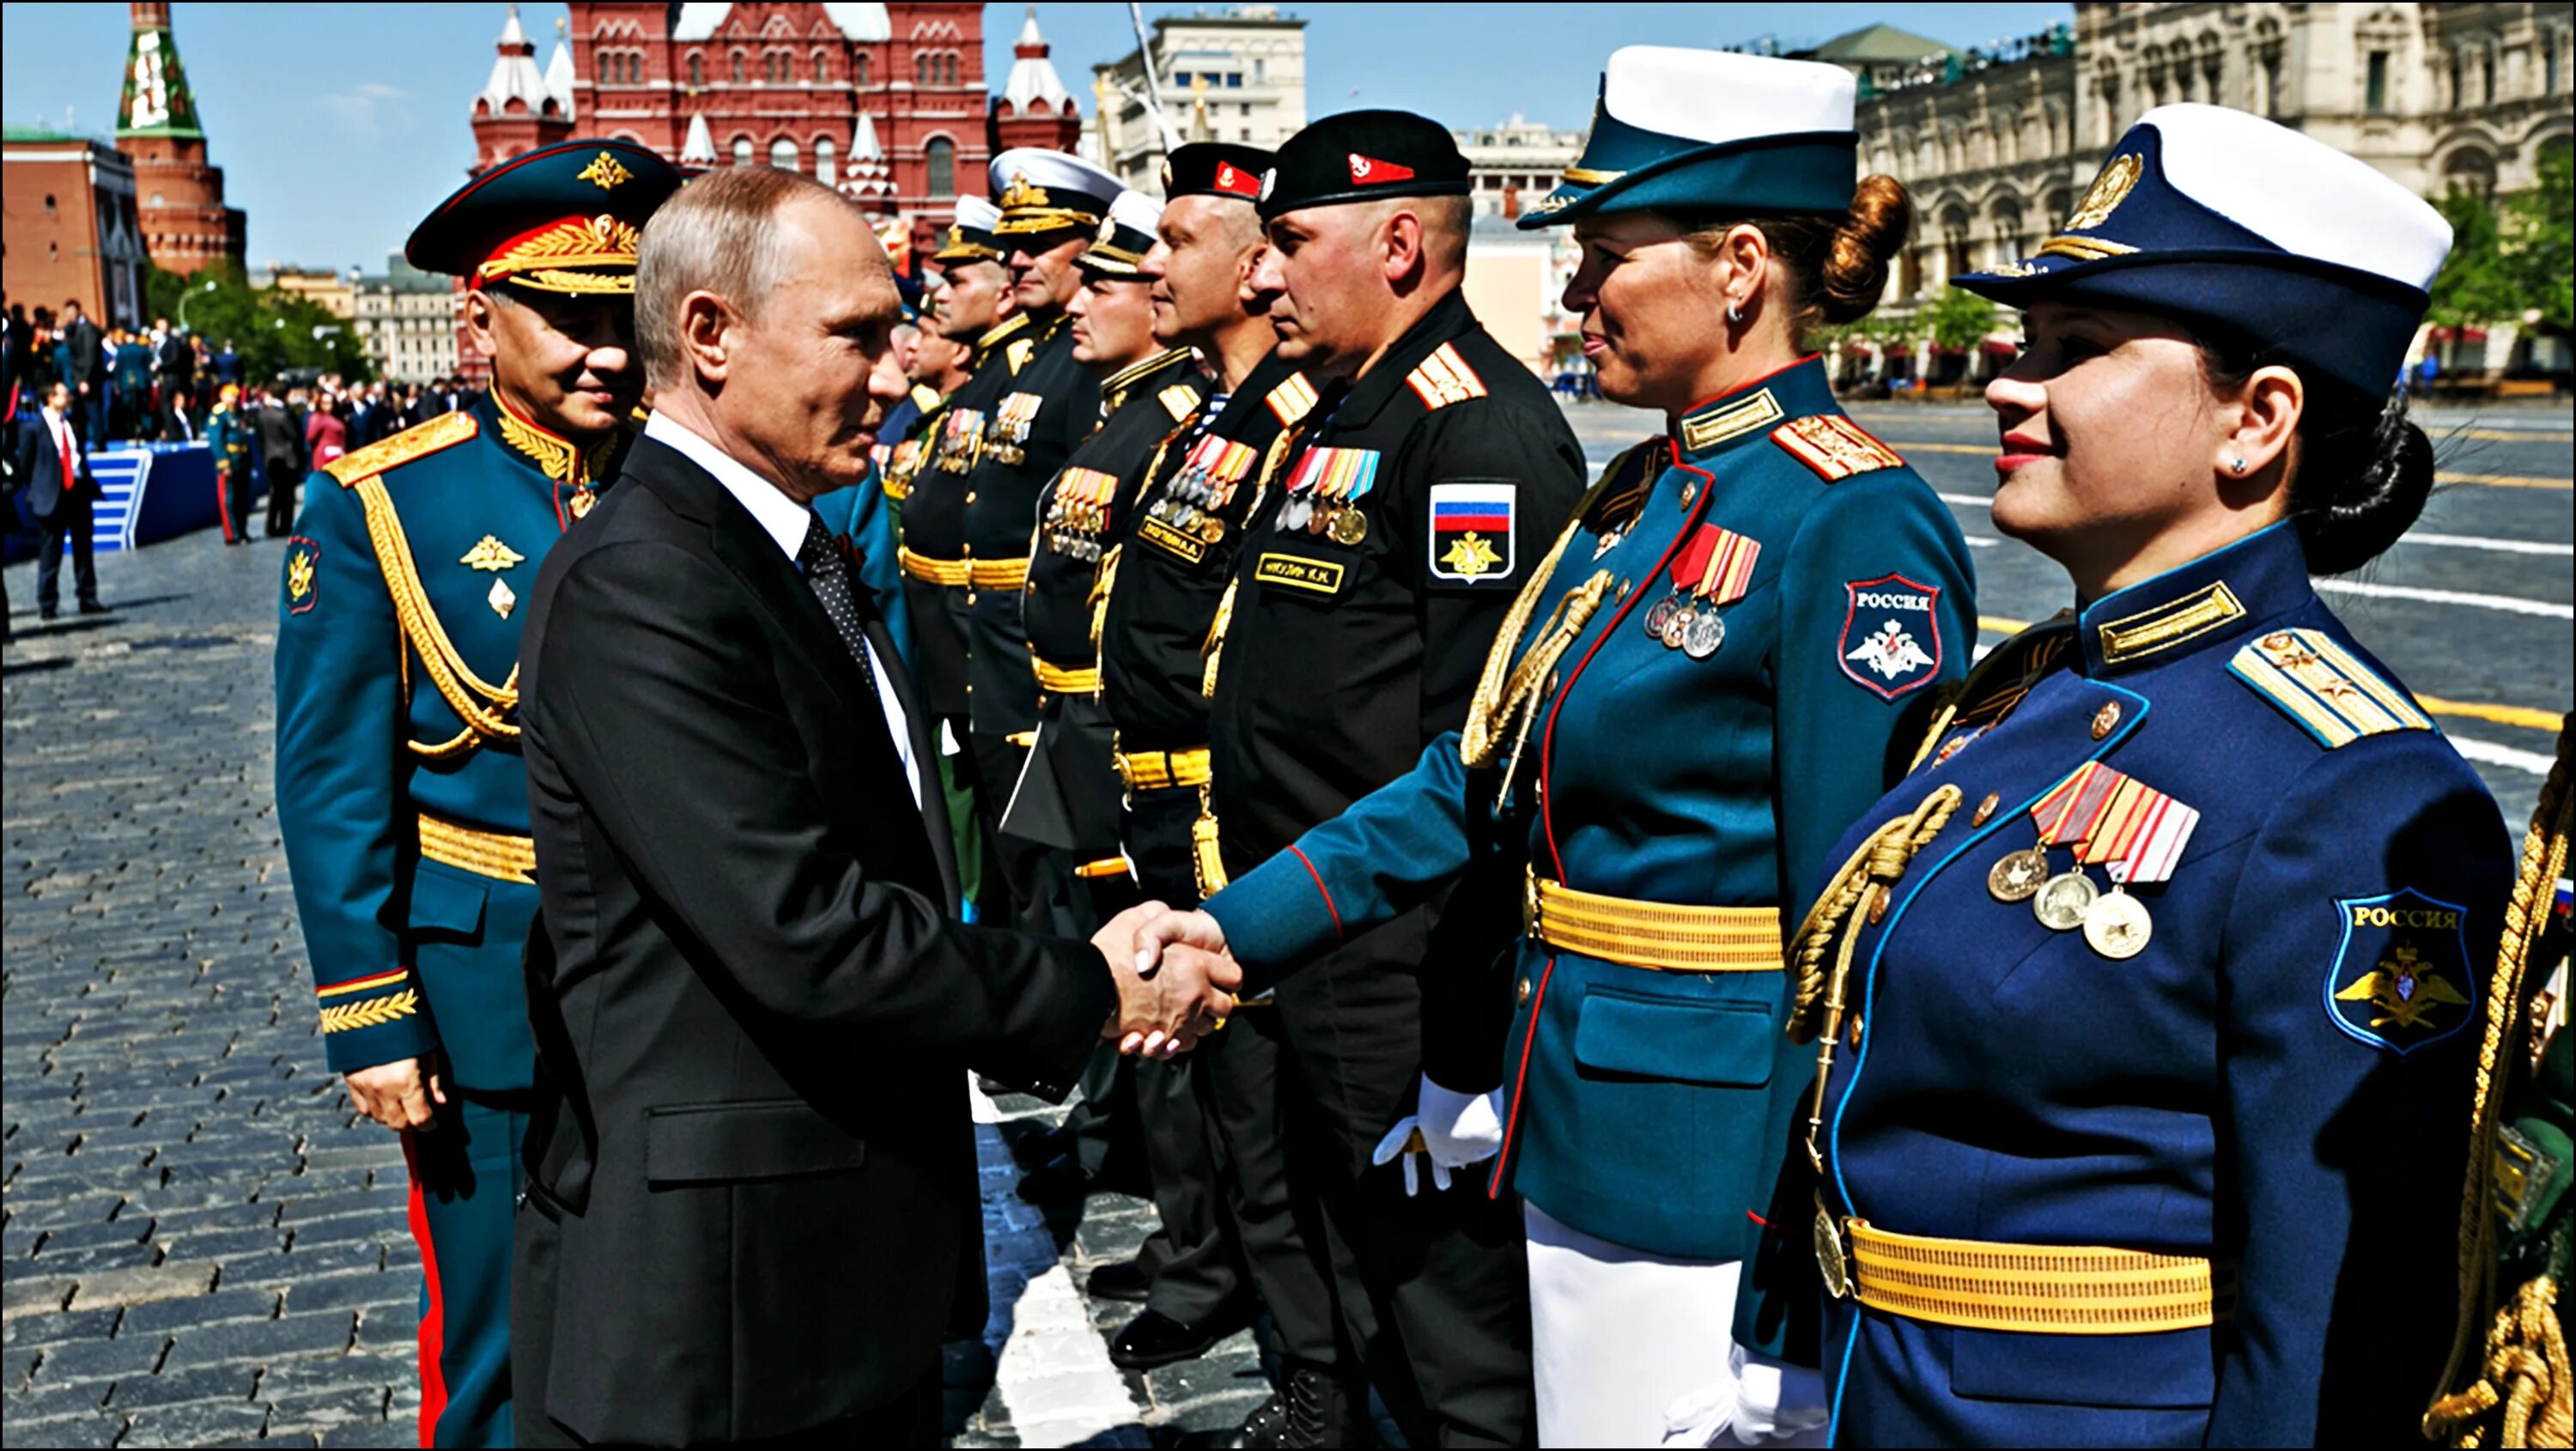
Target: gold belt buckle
x=1830, y=1260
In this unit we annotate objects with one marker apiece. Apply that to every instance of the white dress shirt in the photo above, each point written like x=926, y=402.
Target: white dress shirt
x=787, y=521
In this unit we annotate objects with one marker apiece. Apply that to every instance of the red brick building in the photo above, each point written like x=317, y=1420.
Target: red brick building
x=185, y=224
x=72, y=227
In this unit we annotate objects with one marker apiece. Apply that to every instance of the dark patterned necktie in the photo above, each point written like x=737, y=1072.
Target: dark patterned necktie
x=828, y=574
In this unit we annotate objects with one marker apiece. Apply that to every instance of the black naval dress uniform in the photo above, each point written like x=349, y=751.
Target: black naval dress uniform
x=1214, y=1136
x=1359, y=626
x=1068, y=798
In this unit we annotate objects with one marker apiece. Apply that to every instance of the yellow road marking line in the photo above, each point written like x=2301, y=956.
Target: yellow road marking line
x=2506, y=435
x=2512, y=715
x=2504, y=481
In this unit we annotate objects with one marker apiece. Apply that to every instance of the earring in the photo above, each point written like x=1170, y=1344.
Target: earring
x=1734, y=313
x=2237, y=465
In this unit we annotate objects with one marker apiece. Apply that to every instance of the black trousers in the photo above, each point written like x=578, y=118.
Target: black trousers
x=1433, y=1290
x=70, y=521
x=281, y=498
x=232, y=496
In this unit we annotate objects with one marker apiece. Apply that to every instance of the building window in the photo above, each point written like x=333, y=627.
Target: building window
x=697, y=68
x=782, y=154
x=2375, y=91
x=941, y=154
x=742, y=151
x=825, y=157
x=822, y=67
x=1234, y=79
x=859, y=69
x=737, y=68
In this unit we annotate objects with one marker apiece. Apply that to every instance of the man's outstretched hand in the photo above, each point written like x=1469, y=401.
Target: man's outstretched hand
x=1167, y=998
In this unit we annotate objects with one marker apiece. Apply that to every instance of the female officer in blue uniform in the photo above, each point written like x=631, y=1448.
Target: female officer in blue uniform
x=2137, y=1007
x=1696, y=691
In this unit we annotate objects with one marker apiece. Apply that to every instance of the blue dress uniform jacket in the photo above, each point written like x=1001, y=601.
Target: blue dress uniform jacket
x=400, y=790
x=1647, y=1107
x=2275, y=1083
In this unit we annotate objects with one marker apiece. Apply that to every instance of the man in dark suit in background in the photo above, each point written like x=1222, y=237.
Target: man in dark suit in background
x=88, y=352
x=752, y=1211
x=52, y=466
x=174, y=367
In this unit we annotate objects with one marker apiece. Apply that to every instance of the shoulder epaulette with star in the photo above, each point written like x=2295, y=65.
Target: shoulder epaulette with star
x=445, y=431
x=1625, y=484
x=1180, y=400
x=2325, y=689
x=924, y=397
x=1834, y=446
x=1293, y=399
x=1444, y=378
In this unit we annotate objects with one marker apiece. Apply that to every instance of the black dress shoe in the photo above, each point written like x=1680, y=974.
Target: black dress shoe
x=1154, y=1338
x=92, y=607
x=1125, y=1281
x=47, y=613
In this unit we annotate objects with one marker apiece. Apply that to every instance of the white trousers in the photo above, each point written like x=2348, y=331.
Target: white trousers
x=1619, y=1336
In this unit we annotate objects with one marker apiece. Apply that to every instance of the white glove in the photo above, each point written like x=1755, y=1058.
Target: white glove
x=1768, y=1403
x=1449, y=1128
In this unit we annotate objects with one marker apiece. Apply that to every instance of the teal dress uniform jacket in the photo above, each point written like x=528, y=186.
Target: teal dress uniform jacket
x=1650, y=1108
x=400, y=790
x=2275, y=1080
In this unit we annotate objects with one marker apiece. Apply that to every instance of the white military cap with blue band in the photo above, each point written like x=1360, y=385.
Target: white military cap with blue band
x=1698, y=131
x=1126, y=235
x=1042, y=192
x=2220, y=217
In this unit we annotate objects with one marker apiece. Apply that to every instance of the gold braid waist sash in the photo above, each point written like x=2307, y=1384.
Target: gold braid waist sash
x=2034, y=1288
x=964, y=573
x=1067, y=679
x=1653, y=935
x=1154, y=770
x=497, y=855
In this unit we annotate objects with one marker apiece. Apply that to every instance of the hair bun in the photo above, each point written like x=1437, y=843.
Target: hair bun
x=2349, y=516
x=1855, y=270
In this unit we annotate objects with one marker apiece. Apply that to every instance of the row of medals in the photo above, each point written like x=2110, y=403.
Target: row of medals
x=1075, y=532
x=1684, y=622
x=1189, y=504
x=1340, y=522
x=2115, y=923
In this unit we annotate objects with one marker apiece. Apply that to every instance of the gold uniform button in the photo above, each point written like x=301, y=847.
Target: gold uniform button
x=970, y=597
x=1524, y=992
x=1985, y=808
x=1622, y=594
x=970, y=498
x=2106, y=720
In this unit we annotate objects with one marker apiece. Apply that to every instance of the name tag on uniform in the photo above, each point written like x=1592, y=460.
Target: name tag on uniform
x=1170, y=540
x=1321, y=576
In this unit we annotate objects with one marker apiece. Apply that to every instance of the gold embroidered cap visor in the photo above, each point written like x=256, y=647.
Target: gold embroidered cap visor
x=567, y=218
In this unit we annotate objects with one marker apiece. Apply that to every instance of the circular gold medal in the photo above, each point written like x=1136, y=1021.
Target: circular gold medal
x=2063, y=900
x=1829, y=1256
x=2117, y=925
x=1348, y=526
x=2016, y=878
x=1677, y=628
x=1660, y=613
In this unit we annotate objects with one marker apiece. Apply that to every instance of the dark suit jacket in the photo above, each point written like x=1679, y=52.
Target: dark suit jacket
x=40, y=466
x=177, y=358
x=753, y=1171
x=88, y=347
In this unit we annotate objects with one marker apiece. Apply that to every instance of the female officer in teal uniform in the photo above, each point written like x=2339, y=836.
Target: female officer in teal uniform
x=1697, y=690
x=2138, y=1008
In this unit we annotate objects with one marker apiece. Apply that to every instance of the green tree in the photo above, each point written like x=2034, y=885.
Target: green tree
x=1959, y=320
x=2475, y=285
x=2539, y=252
x=274, y=330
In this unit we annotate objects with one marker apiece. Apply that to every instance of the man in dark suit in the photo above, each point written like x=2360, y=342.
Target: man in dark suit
x=53, y=468
x=174, y=367
x=88, y=352
x=280, y=430
x=752, y=1209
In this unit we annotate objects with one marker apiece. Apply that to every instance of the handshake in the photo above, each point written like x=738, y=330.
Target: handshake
x=1176, y=980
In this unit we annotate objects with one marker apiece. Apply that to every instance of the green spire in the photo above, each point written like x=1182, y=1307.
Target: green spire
x=157, y=101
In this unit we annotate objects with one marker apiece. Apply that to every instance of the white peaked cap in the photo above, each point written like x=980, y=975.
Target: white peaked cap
x=1716, y=96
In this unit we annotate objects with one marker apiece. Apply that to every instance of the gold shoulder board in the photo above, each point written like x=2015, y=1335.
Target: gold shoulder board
x=1834, y=446
x=1293, y=399
x=445, y=431
x=2324, y=688
x=1444, y=378
x=1180, y=400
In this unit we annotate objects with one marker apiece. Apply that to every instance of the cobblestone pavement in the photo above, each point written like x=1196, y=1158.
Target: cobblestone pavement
x=203, y=1245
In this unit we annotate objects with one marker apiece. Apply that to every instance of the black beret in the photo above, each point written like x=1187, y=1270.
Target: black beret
x=1360, y=156
x=1216, y=168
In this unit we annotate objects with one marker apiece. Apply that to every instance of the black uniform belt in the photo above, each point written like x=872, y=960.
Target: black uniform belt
x=964, y=573
x=2042, y=1289
x=494, y=854
x=1657, y=936
x=1154, y=770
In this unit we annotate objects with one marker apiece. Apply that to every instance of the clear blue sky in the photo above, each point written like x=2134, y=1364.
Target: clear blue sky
x=339, y=126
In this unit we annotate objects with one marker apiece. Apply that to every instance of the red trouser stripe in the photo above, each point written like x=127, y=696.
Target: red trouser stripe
x=224, y=500
x=433, y=1320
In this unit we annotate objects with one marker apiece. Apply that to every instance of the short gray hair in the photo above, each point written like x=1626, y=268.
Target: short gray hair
x=716, y=236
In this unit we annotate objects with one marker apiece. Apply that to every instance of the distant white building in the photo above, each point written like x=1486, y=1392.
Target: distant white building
x=1238, y=75
x=1516, y=163
x=406, y=320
